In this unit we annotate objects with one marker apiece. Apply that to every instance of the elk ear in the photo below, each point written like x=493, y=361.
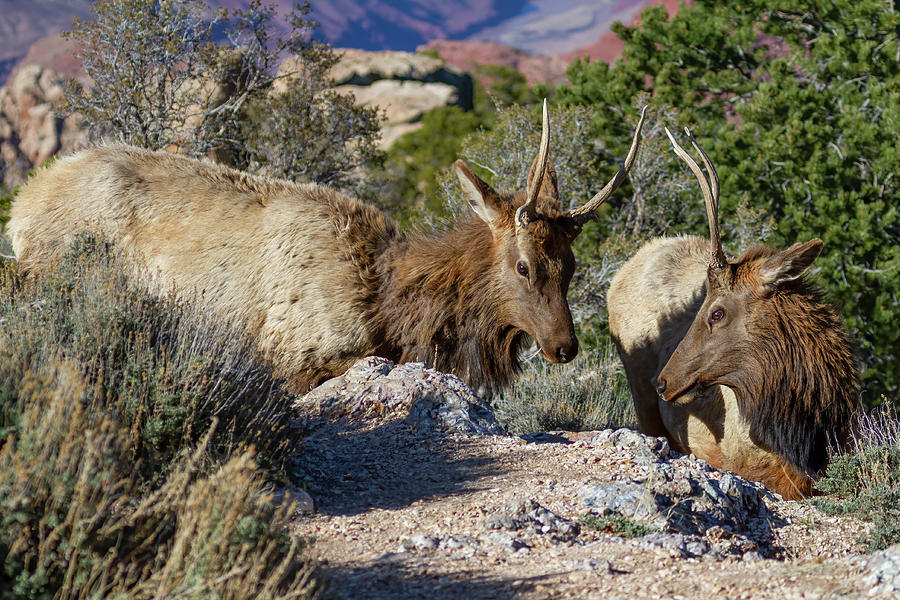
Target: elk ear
x=480, y=196
x=549, y=186
x=789, y=264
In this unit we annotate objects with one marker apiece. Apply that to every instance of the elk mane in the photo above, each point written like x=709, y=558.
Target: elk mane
x=439, y=306
x=799, y=378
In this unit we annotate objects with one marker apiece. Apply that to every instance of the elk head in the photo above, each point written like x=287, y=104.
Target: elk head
x=533, y=239
x=713, y=351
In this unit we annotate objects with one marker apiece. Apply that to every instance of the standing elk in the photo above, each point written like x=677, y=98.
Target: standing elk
x=322, y=279
x=740, y=361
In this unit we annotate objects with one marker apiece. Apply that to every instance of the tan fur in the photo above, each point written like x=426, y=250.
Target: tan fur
x=218, y=234
x=319, y=278
x=652, y=300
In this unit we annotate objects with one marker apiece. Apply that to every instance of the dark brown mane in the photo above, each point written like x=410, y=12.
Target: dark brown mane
x=798, y=374
x=437, y=306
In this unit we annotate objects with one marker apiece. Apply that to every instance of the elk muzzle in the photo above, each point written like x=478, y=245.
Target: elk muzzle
x=558, y=344
x=560, y=352
x=674, y=389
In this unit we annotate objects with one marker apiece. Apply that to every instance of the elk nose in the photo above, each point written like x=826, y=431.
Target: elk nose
x=568, y=351
x=661, y=387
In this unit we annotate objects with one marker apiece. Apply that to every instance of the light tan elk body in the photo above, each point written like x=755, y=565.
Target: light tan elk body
x=320, y=278
x=740, y=361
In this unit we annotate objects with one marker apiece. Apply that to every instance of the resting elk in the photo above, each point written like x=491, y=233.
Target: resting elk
x=322, y=279
x=740, y=361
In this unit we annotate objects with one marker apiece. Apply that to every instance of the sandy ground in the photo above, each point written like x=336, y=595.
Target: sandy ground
x=403, y=515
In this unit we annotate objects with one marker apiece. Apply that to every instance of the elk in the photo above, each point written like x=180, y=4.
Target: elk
x=740, y=362
x=322, y=279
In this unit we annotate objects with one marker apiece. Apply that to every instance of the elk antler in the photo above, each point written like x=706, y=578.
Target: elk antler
x=585, y=212
x=527, y=213
x=710, y=188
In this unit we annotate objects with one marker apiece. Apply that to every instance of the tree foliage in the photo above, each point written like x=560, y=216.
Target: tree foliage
x=410, y=185
x=173, y=74
x=799, y=106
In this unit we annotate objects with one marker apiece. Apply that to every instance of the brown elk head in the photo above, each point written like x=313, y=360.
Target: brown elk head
x=533, y=239
x=738, y=298
x=768, y=335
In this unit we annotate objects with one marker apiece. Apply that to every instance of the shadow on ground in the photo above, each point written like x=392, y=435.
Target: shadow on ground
x=403, y=579
x=350, y=468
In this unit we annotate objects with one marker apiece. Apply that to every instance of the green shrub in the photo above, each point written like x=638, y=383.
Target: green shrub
x=137, y=435
x=409, y=182
x=865, y=480
x=614, y=523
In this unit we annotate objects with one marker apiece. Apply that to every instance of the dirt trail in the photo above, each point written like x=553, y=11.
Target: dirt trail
x=403, y=515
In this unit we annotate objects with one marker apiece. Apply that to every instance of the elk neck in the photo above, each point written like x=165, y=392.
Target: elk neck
x=800, y=372
x=440, y=304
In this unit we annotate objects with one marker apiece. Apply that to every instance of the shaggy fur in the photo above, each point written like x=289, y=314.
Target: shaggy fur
x=766, y=398
x=320, y=279
x=799, y=369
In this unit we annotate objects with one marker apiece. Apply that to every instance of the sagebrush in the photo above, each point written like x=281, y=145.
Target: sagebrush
x=590, y=393
x=178, y=75
x=138, y=436
x=865, y=479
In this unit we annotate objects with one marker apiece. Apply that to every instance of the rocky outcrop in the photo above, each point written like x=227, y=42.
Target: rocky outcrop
x=31, y=128
x=403, y=85
x=468, y=55
x=551, y=48
x=882, y=572
x=375, y=389
x=685, y=504
x=58, y=54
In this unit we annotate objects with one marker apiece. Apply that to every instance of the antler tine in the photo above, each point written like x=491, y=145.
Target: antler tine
x=709, y=186
x=585, y=212
x=526, y=213
x=713, y=175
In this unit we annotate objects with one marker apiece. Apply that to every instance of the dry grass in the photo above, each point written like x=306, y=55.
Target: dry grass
x=137, y=436
x=865, y=479
x=587, y=394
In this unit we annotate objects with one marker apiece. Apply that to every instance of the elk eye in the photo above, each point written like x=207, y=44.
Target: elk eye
x=716, y=315
x=522, y=269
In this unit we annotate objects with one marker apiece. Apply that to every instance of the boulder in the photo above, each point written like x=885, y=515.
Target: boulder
x=403, y=101
x=882, y=572
x=375, y=389
x=359, y=67
x=689, y=507
x=404, y=85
